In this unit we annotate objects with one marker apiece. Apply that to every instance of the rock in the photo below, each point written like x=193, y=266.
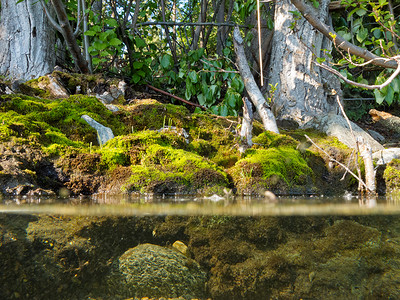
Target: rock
x=337, y=126
x=53, y=86
x=376, y=135
x=154, y=271
x=114, y=93
x=112, y=107
x=104, y=133
x=385, y=156
x=181, y=247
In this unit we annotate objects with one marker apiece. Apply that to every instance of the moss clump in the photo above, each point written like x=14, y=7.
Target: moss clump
x=275, y=168
x=274, y=163
x=215, y=138
x=54, y=122
x=173, y=170
x=392, y=175
x=270, y=139
x=151, y=114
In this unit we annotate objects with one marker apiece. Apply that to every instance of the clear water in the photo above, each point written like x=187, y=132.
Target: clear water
x=124, y=247
x=127, y=205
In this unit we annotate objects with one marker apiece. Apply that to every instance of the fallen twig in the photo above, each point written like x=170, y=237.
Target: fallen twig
x=338, y=162
x=175, y=97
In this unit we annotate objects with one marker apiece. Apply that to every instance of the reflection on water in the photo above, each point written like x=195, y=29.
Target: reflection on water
x=214, y=205
x=200, y=248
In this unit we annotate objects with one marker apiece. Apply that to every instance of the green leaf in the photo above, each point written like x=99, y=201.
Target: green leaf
x=96, y=28
x=188, y=94
x=362, y=34
x=115, y=42
x=232, y=100
x=99, y=45
x=104, y=35
x=193, y=76
x=96, y=60
x=90, y=33
x=379, y=97
x=320, y=60
x=201, y=99
x=136, y=78
x=111, y=22
x=390, y=95
x=361, y=12
x=315, y=3
x=166, y=61
x=139, y=42
x=137, y=65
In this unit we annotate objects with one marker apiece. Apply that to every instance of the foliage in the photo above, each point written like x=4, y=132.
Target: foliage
x=205, y=80
x=369, y=25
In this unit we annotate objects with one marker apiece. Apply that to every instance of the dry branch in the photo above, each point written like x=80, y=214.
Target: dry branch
x=267, y=117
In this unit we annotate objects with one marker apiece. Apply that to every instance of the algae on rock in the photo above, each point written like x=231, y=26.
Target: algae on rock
x=154, y=271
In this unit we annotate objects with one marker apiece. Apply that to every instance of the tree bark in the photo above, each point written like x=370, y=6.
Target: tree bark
x=26, y=40
x=252, y=89
x=304, y=91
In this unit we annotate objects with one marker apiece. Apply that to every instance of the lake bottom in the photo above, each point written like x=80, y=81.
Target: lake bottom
x=199, y=257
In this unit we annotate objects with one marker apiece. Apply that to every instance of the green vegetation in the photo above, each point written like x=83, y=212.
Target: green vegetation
x=162, y=148
x=392, y=175
x=275, y=164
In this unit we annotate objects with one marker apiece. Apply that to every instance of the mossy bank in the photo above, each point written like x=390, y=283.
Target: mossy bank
x=158, y=148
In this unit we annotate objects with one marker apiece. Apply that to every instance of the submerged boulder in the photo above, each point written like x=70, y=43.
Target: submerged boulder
x=154, y=271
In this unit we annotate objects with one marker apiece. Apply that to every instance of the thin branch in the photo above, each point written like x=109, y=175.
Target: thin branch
x=229, y=24
x=53, y=22
x=336, y=161
x=338, y=40
x=352, y=134
x=220, y=69
x=365, y=86
x=78, y=23
x=175, y=97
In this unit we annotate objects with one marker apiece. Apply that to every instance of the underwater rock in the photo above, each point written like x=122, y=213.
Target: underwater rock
x=154, y=271
x=104, y=133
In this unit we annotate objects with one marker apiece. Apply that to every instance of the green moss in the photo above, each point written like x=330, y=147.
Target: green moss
x=392, y=175
x=279, y=168
x=54, y=122
x=270, y=139
x=177, y=166
x=151, y=114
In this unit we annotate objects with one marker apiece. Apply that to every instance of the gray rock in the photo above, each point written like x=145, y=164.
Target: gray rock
x=154, y=271
x=376, y=135
x=104, y=133
x=54, y=87
x=385, y=156
x=112, y=107
x=114, y=92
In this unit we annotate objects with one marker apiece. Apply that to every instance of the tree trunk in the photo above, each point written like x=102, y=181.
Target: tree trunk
x=26, y=40
x=304, y=91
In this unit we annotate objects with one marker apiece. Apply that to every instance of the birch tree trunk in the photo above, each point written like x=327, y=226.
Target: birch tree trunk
x=304, y=91
x=26, y=40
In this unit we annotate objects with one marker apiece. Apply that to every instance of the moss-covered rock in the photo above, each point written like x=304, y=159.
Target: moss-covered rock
x=275, y=164
x=153, y=271
x=391, y=175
